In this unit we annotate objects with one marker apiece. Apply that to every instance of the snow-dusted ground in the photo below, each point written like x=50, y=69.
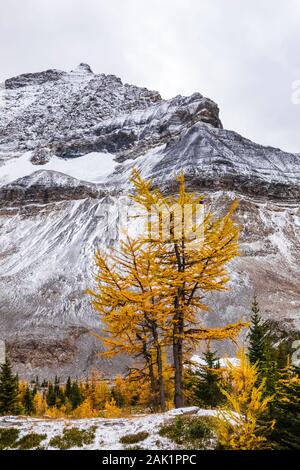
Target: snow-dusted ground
x=109, y=431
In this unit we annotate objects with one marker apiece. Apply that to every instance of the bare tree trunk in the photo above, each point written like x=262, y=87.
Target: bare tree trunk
x=178, y=360
x=154, y=384
x=162, y=396
x=159, y=362
x=154, y=387
x=178, y=330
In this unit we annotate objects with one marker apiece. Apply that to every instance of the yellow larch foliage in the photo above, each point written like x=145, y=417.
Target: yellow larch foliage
x=130, y=305
x=192, y=261
x=97, y=390
x=21, y=392
x=151, y=291
x=120, y=391
x=56, y=413
x=240, y=423
x=129, y=391
x=85, y=410
x=40, y=404
x=111, y=410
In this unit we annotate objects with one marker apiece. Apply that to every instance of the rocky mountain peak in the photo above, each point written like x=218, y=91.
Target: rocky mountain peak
x=71, y=114
x=83, y=68
x=68, y=143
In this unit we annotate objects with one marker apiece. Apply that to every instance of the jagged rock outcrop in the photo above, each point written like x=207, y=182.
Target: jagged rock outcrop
x=33, y=79
x=75, y=113
x=43, y=187
x=68, y=142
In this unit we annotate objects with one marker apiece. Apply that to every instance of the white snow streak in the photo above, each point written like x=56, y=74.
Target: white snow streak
x=92, y=167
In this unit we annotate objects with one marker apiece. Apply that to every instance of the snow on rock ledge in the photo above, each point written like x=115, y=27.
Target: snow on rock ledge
x=45, y=186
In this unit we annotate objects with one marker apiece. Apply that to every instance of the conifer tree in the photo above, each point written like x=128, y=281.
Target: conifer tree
x=28, y=403
x=68, y=388
x=206, y=380
x=257, y=337
x=8, y=389
x=75, y=396
x=44, y=384
x=50, y=395
x=56, y=385
x=286, y=409
x=261, y=350
x=59, y=393
x=282, y=355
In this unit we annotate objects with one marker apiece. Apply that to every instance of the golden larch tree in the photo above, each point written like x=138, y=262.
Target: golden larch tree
x=131, y=308
x=151, y=288
x=193, y=254
x=241, y=423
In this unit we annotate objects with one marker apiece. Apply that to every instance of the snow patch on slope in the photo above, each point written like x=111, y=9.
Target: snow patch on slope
x=92, y=167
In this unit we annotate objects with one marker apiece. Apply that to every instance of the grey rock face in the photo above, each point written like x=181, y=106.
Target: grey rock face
x=50, y=225
x=33, y=79
x=74, y=113
x=43, y=187
x=41, y=156
x=216, y=159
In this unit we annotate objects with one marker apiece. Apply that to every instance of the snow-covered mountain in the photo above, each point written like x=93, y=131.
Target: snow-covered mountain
x=68, y=142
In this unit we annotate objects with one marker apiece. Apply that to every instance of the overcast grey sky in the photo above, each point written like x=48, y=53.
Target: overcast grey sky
x=244, y=54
